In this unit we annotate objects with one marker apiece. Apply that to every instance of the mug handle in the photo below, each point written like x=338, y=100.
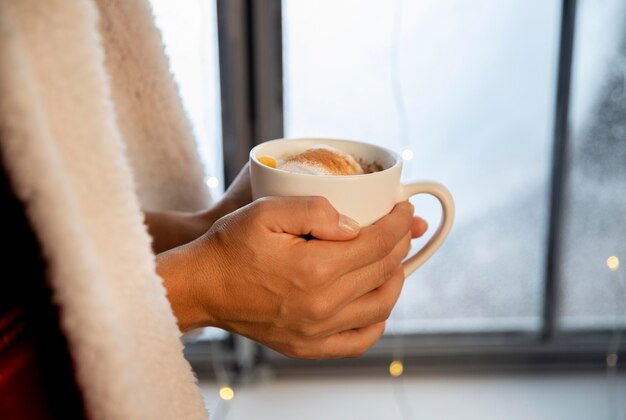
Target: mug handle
x=442, y=194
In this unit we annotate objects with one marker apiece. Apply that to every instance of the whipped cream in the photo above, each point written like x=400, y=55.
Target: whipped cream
x=321, y=160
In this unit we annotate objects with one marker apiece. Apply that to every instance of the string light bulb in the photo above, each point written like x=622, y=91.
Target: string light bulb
x=613, y=263
x=396, y=368
x=227, y=393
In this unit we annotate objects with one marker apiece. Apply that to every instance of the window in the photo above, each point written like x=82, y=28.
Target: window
x=468, y=88
x=189, y=32
x=593, y=296
x=468, y=91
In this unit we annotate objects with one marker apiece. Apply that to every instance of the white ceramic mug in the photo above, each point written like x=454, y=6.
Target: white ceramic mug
x=365, y=198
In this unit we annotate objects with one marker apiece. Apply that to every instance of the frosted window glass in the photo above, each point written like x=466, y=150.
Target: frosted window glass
x=593, y=296
x=469, y=88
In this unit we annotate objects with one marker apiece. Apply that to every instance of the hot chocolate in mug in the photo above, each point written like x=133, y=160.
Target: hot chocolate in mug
x=365, y=197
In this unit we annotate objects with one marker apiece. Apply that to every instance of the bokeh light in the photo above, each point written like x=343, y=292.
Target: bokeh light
x=212, y=182
x=396, y=368
x=227, y=393
x=407, y=154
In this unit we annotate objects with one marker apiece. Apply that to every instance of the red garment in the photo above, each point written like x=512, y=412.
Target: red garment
x=36, y=373
x=21, y=389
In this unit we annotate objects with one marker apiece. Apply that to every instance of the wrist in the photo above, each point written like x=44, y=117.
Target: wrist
x=224, y=206
x=185, y=280
x=227, y=205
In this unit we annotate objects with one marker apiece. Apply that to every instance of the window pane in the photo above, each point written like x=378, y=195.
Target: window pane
x=469, y=88
x=592, y=295
x=189, y=31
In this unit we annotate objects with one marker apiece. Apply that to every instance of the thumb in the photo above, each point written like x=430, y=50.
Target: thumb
x=307, y=216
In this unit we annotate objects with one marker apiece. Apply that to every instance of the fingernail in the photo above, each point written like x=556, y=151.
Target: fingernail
x=348, y=224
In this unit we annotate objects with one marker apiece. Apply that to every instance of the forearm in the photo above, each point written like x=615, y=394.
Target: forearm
x=171, y=229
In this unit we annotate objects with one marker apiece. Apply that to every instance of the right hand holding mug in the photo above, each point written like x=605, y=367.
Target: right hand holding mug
x=254, y=274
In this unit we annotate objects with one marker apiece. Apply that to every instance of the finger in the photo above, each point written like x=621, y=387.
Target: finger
x=371, y=308
x=306, y=216
x=351, y=343
x=357, y=283
x=372, y=244
x=418, y=227
x=239, y=192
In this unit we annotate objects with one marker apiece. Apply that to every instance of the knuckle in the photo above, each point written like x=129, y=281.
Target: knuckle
x=320, y=271
x=317, y=208
x=309, y=331
x=383, y=311
x=362, y=348
x=399, y=275
x=315, y=270
x=317, y=309
x=384, y=242
x=263, y=204
x=312, y=274
x=388, y=266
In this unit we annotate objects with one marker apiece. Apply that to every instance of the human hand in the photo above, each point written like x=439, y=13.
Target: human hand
x=255, y=275
x=238, y=194
x=170, y=229
x=419, y=226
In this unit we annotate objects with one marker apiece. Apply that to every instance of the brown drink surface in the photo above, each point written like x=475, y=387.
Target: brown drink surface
x=370, y=167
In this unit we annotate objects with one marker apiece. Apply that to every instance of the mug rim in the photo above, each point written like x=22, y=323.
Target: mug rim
x=394, y=155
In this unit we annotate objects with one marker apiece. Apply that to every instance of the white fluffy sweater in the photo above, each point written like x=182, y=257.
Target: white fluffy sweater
x=91, y=131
